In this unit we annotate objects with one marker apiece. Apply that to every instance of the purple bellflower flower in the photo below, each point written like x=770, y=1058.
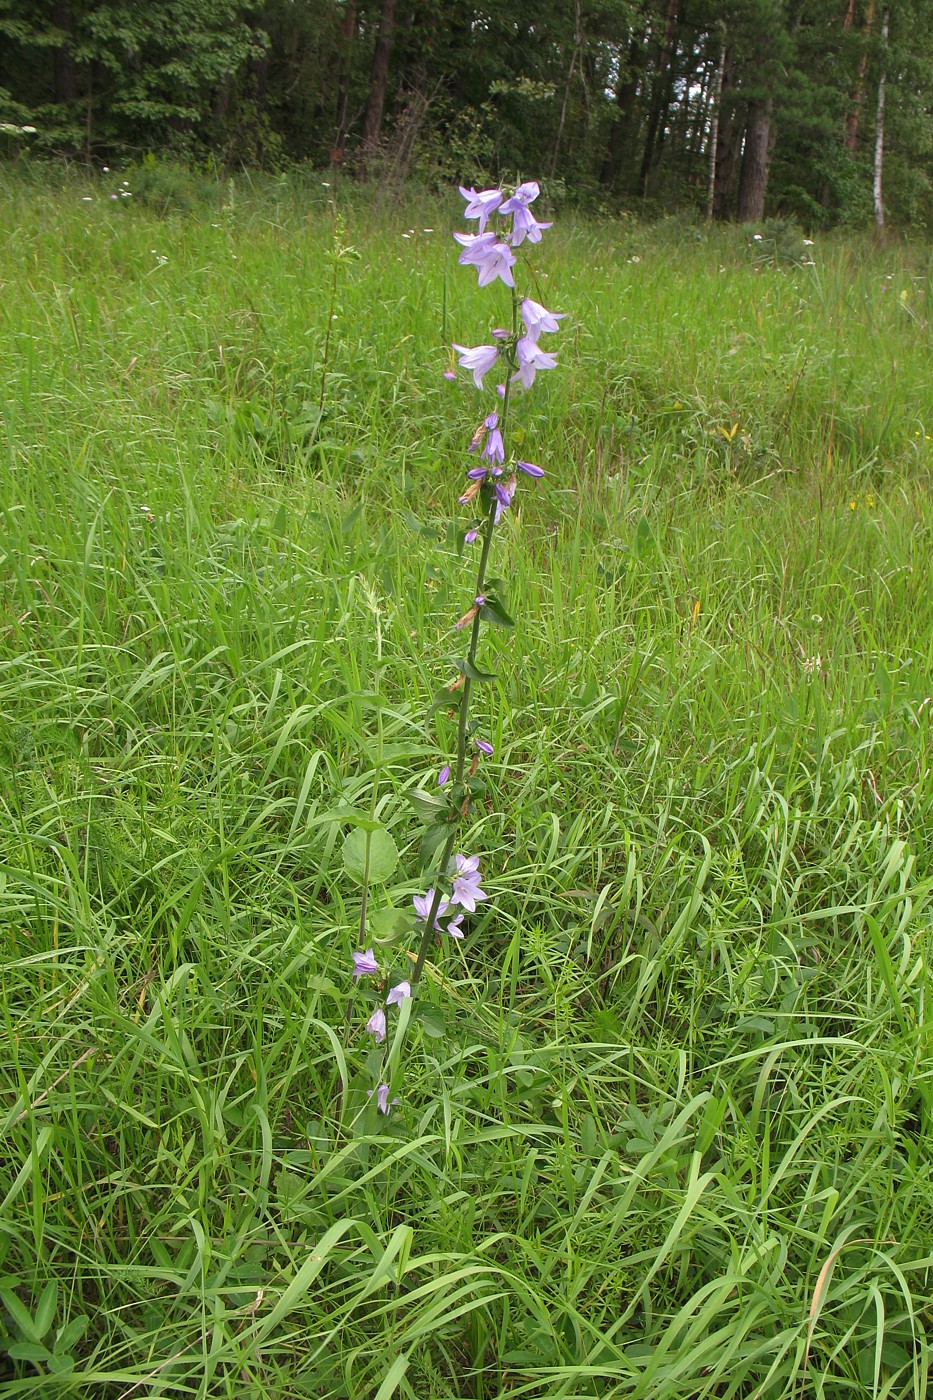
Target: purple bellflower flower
x=524, y=195
x=485, y=747
x=530, y=469
x=531, y=359
x=364, y=964
x=525, y=225
x=537, y=318
x=376, y=1025
x=423, y=902
x=454, y=926
x=479, y=360
x=491, y=257
x=398, y=994
x=497, y=262
x=382, y=1099
x=444, y=775
x=475, y=246
x=480, y=204
x=504, y=494
x=494, y=451
x=471, y=537
x=466, y=890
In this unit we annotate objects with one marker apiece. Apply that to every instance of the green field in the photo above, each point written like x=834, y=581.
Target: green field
x=666, y=1114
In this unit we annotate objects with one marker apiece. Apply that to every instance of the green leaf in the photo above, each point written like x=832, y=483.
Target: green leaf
x=431, y=842
x=444, y=699
x=48, y=1307
x=386, y=923
x=645, y=542
x=383, y=856
x=493, y=611
x=429, y=806
x=22, y=1318
x=71, y=1333
x=29, y=1351
x=392, y=1378
x=472, y=672
x=358, y=819
x=432, y=1022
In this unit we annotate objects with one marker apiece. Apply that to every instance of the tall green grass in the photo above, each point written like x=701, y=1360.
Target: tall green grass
x=674, y=1139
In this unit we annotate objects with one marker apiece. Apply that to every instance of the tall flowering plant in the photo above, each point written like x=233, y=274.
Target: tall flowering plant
x=505, y=223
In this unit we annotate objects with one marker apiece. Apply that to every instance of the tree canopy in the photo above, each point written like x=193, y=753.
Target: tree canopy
x=741, y=109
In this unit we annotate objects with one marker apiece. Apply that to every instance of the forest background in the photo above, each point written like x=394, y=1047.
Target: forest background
x=790, y=108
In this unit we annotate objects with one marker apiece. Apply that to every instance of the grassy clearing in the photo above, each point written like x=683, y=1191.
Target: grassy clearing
x=675, y=1137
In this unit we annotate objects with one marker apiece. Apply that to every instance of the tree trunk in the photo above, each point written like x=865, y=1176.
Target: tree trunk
x=715, y=97
x=626, y=93
x=64, y=70
x=753, y=181
x=347, y=34
x=577, y=42
x=728, y=145
x=879, y=129
x=858, y=92
x=661, y=95
x=378, y=83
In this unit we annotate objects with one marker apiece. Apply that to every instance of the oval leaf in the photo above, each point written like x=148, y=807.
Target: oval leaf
x=382, y=856
x=493, y=611
x=430, y=807
x=474, y=673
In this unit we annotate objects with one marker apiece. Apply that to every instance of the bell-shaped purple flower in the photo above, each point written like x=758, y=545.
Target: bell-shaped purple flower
x=524, y=195
x=485, y=747
x=382, y=1098
x=398, y=994
x=537, y=318
x=525, y=225
x=466, y=890
x=478, y=359
x=364, y=964
x=505, y=490
x=497, y=262
x=491, y=257
x=494, y=450
x=475, y=246
x=530, y=469
x=531, y=359
x=444, y=775
x=423, y=902
x=481, y=204
x=376, y=1025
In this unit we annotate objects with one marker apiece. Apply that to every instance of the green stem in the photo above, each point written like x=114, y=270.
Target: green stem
x=464, y=710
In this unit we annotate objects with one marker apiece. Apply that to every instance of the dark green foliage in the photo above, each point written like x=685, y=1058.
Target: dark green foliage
x=615, y=101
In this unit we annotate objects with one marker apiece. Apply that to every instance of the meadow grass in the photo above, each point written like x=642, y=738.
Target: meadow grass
x=674, y=1136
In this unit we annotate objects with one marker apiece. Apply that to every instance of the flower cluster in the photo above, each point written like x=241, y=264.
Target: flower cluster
x=529, y=356
x=505, y=224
